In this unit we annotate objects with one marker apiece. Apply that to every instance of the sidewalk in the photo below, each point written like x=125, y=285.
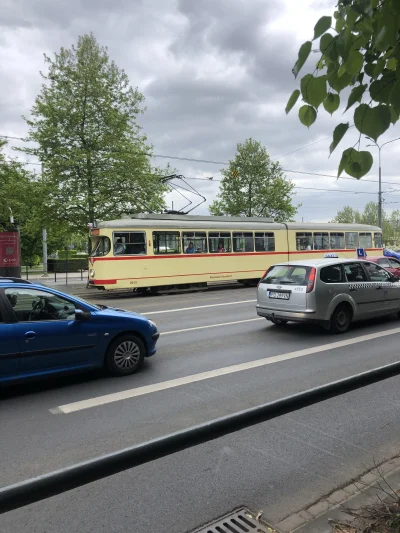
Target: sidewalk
x=365, y=491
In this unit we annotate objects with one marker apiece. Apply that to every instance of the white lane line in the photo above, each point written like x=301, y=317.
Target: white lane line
x=178, y=382
x=197, y=307
x=211, y=326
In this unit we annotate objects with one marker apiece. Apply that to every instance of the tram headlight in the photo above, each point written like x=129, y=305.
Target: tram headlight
x=91, y=272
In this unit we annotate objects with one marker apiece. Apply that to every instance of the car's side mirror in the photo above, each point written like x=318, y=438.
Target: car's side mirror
x=82, y=315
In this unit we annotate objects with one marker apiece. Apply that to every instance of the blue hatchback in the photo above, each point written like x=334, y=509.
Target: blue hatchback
x=44, y=331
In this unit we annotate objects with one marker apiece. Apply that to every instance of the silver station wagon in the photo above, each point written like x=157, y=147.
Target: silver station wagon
x=332, y=292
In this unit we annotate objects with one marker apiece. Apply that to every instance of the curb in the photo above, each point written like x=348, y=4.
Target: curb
x=362, y=491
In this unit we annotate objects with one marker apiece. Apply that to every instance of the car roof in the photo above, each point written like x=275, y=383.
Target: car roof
x=13, y=280
x=320, y=262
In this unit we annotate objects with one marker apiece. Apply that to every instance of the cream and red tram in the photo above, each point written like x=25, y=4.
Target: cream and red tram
x=166, y=251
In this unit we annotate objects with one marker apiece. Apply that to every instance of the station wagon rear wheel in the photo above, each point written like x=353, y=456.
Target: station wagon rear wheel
x=341, y=319
x=125, y=355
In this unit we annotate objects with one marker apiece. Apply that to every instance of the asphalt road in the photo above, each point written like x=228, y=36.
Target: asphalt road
x=279, y=466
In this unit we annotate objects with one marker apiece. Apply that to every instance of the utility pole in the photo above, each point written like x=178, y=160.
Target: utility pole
x=380, y=175
x=44, y=240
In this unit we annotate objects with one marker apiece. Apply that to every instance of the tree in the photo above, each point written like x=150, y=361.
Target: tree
x=253, y=185
x=84, y=121
x=361, y=51
x=390, y=224
x=347, y=215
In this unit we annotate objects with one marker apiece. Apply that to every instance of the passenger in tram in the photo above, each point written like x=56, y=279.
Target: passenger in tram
x=119, y=247
x=221, y=248
x=190, y=249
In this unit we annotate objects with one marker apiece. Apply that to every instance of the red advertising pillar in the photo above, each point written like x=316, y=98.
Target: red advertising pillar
x=10, y=260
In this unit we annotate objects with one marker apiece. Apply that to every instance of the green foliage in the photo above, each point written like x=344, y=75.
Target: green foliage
x=253, y=185
x=95, y=159
x=331, y=102
x=390, y=223
x=361, y=52
x=307, y=115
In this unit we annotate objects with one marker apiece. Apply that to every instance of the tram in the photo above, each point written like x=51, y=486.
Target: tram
x=166, y=251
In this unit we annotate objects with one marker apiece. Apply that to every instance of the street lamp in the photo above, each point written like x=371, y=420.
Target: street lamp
x=380, y=175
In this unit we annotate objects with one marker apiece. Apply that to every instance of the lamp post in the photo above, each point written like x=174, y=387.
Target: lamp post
x=380, y=175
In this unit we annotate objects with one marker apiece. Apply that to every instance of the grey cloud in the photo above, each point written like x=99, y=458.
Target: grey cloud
x=213, y=73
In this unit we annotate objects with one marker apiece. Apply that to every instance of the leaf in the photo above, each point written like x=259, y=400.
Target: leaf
x=358, y=163
x=354, y=62
x=304, y=52
x=307, y=115
x=322, y=26
x=395, y=97
x=380, y=90
x=355, y=95
x=343, y=161
x=328, y=48
x=394, y=115
x=369, y=69
x=313, y=89
x=338, y=135
x=292, y=100
x=378, y=68
x=391, y=64
x=331, y=103
x=372, y=121
x=338, y=84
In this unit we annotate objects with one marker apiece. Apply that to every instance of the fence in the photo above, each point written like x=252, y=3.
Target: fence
x=48, y=485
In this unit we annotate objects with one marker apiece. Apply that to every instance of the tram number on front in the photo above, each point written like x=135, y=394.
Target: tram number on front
x=133, y=283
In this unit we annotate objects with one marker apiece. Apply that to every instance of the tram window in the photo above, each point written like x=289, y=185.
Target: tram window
x=351, y=240
x=198, y=239
x=265, y=242
x=378, y=240
x=219, y=242
x=129, y=243
x=243, y=242
x=304, y=241
x=365, y=240
x=337, y=241
x=166, y=242
x=321, y=241
x=100, y=247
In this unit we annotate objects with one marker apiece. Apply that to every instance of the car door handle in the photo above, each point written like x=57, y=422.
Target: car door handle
x=379, y=288
x=353, y=290
x=30, y=334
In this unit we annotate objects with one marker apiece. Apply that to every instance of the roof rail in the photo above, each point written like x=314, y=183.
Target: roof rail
x=5, y=279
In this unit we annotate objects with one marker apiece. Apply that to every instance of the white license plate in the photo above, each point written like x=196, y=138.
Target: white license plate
x=279, y=295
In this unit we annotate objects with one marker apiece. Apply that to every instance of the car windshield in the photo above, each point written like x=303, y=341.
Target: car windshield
x=287, y=275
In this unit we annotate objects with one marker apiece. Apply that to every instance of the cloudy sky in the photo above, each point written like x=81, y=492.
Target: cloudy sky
x=214, y=72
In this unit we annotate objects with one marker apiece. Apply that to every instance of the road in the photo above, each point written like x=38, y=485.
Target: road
x=279, y=466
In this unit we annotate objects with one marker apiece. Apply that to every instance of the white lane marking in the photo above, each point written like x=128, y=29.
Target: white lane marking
x=197, y=307
x=178, y=382
x=211, y=326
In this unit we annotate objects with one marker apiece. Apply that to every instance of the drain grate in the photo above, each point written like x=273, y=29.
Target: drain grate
x=241, y=521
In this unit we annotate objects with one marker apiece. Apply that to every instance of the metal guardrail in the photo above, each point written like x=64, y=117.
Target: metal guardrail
x=42, y=487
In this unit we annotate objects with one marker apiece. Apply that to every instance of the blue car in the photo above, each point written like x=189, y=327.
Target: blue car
x=44, y=331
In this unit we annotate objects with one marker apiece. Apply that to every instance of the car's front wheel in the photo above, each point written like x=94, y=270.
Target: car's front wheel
x=125, y=355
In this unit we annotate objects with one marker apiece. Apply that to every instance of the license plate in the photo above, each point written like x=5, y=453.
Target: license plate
x=279, y=295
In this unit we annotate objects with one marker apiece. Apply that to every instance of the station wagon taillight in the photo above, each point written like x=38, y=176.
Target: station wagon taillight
x=311, y=279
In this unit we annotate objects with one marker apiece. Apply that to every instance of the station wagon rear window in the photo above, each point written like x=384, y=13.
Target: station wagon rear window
x=287, y=275
x=332, y=274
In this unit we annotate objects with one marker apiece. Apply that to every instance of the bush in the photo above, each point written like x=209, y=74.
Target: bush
x=60, y=265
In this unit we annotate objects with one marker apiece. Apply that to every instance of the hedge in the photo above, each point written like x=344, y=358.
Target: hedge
x=74, y=265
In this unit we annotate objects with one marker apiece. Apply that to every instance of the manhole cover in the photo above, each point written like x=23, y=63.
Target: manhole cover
x=241, y=521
